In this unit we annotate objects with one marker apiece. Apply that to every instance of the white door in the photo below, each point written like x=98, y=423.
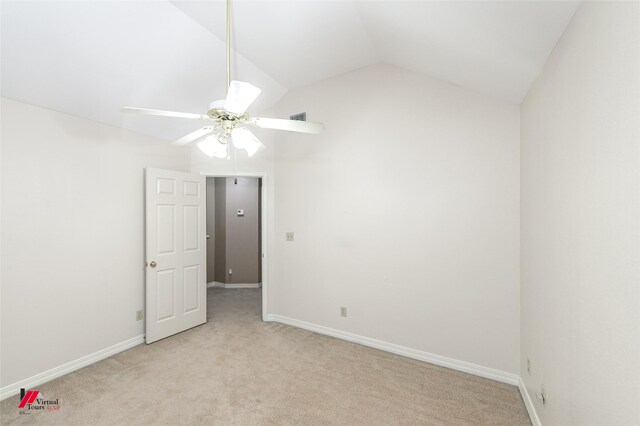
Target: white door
x=176, y=287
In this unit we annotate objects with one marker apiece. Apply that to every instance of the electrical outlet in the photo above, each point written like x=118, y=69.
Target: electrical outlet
x=343, y=311
x=290, y=236
x=529, y=366
x=139, y=315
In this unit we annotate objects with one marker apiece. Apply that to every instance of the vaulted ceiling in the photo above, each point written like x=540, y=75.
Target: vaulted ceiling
x=90, y=58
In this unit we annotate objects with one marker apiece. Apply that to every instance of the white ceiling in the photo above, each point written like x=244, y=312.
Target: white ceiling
x=90, y=58
x=495, y=47
x=295, y=42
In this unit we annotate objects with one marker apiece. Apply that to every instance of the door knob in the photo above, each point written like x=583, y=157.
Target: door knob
x=153, y=264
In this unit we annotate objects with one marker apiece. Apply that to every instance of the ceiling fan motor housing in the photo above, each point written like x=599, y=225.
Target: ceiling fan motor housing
x=227, y=118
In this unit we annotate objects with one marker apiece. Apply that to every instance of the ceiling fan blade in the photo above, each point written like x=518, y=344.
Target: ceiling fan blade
x=240, y=96
x=193, y=136
x=288, y=125
x=159, y=112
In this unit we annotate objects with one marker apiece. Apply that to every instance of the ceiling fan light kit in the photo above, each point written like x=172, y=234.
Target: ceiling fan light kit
x=213, y=147
x=229, y=116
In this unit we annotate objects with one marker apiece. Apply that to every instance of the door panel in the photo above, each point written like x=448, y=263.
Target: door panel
x=166, y=186
x=166, y=229
x=191, y=296
x=166, y=282
x=191, y=189
x=191, y=228
x=175, y=251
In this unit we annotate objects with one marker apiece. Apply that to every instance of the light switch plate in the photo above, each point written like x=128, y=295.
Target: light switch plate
x=290, y=236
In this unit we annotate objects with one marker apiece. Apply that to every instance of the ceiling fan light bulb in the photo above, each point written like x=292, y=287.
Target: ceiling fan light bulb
x=221, y=152
x=222, y=139
x=212, y=147
x=239, y=143
x=252, y=148
x=240, y=137
x=244, y=139
x=208, y=146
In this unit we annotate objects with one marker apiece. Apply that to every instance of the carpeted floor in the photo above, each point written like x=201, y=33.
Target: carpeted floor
x=236, y=369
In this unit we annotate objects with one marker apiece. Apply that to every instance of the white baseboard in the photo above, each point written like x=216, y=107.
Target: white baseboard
x=454, y=364
x=67, y=368
x=241, y=285
x=528, y=402
x=234, y=285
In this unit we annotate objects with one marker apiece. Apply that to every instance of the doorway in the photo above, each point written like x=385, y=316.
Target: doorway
x=236, y=235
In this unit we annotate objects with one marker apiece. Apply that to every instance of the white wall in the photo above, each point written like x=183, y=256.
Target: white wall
x=72, y=236
x=581, y=222
x=406, y=211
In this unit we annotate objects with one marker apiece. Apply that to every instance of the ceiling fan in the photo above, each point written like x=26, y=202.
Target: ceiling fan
x=228, y=118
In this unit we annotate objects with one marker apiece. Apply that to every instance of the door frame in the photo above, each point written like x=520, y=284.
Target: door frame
x=263, y=222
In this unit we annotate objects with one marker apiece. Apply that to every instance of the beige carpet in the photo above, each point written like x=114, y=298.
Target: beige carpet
x=238, y=370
